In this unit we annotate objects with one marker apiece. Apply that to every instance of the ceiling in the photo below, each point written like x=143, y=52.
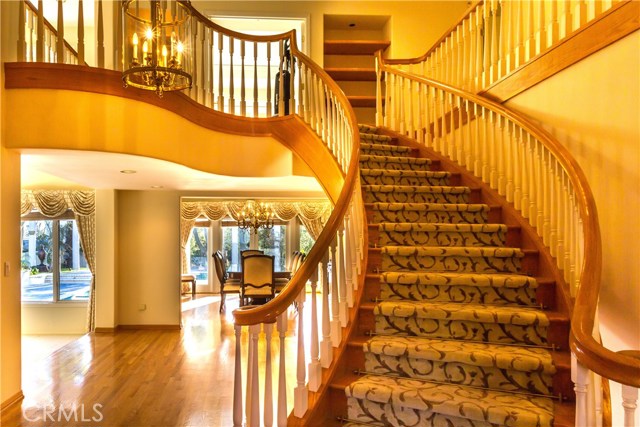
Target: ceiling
x=52, y=169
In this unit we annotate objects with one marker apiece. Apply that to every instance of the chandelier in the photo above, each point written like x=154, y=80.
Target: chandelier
x=255, y=216
x=157, y=35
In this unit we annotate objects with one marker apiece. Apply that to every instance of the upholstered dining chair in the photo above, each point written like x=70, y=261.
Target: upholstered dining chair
x=257, y=278
x=227, y=285
x=248, y=252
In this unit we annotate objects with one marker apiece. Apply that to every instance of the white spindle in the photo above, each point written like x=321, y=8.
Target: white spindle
x=630, y=404
x=268, y=386
x=300, y=393
x=255, y=79
x=220, y=73
x=326, y=347
x=22, y=28
x=315, y=369
x=100, y=52
x=282, y=375
x=80, y=32
x=243, y=97
x=60, y=39
x=336, y=331
x=232, y=100
x=348, y=259
x=580, y=378
x=237, y=383
x=40, y=45
x=280, y=87
x=342, y=284
x=253, y=380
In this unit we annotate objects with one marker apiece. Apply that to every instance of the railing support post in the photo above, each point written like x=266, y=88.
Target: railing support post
x=580, y=378
x=630, y=404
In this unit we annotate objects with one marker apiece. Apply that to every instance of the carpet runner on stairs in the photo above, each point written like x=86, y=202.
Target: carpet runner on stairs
x=458, y=337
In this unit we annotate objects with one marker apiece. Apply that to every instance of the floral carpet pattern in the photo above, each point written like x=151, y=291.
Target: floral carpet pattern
x=458, y=338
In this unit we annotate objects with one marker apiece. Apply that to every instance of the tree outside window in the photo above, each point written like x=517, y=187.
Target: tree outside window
x=53, y=264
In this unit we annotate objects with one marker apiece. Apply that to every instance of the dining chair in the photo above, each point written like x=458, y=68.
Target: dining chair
x=227, y=285
x=281, y=282
x=257, y=278
x=248, y=252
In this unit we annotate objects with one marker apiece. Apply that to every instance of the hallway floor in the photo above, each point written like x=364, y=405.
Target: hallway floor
x=145, y=377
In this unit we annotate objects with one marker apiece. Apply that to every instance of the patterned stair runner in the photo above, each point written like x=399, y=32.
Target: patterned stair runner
x=458, y=338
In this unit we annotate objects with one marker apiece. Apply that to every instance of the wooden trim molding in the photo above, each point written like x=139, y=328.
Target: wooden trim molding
x=16, y=398
x=620, y=21
x=105, y=330
x=149, y=327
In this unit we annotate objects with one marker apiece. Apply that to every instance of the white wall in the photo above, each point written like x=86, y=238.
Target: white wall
x=593, y=108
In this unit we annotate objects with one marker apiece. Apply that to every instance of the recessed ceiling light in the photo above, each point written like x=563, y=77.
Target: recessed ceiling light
x=353, y=24
x=128, y=171
x=157, y=186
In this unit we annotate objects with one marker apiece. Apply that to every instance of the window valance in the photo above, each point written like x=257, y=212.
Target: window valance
x=215, y=210
x=53, y=203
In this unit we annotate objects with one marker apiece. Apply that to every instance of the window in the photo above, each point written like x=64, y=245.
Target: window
x=306, y=241
x=53, y=264
x=199, y=253
x=234, y=241
x=273, y=242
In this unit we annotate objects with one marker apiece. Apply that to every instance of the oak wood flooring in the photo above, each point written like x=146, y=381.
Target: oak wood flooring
x=146, y=377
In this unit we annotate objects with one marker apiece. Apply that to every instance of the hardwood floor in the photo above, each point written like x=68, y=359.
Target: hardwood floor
x=144, y=377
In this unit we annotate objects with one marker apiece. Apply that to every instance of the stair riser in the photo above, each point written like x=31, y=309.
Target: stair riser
x=452, y=217
x=497, y=333
x=403, y=180
x=459, y=373
x=459, y=294
x=402, y=197
x=458, y=264
x=373, y=164
x=441, y=238
x=367, y=411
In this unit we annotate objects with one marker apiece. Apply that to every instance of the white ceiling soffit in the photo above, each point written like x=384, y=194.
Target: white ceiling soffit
x=65, y=168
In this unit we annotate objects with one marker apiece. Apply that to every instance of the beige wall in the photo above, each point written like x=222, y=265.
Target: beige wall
x=593, y=108
x=414, y=27
x=106, y=254
x=10, y=365
x=54, y=319
x=148, y=257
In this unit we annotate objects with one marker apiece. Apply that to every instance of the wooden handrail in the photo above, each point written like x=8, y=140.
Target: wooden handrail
x=269, y=312
x=615, y=366
x=53, y=30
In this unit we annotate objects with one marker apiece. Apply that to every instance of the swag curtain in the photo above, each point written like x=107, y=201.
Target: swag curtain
x=53, y=203
x=312, y=214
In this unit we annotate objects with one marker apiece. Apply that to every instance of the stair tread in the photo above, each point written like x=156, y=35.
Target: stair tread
x=508, y=280
x=416, y=189
x=387, y=172
x=394, y=159
x=461, y=207
x=387, y=147
x=352, y=74
x=511, y=357
x=475, y=251
x=469, y=311
x=401, y=227
x=454, y=400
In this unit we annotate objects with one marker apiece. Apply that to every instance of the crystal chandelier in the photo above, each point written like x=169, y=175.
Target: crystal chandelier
x=157, y=35
x=255, y=216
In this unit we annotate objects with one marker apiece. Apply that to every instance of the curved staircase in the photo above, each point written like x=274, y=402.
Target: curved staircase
x=457, y=325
